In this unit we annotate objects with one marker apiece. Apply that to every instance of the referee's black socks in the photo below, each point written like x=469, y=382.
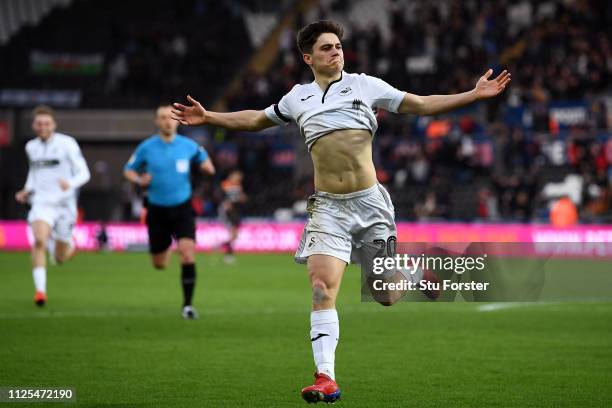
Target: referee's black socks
x=188, y=277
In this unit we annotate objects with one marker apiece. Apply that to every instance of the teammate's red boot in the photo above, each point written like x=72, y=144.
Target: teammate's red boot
x=40, y=298
x=324, y=389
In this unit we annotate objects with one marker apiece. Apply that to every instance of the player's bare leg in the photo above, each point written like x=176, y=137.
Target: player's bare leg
x=387, y=297
x=186, y=250
x=229, y=245
x=161, y=259
x=233, y=234
x=325, y=273
x=41, y=232
x=63, y=251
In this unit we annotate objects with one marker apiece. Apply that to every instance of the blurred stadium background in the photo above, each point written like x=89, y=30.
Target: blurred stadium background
x=106, y=67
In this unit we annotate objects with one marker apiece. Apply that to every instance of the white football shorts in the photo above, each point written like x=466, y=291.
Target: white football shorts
x=344, y=225
x=60, y=217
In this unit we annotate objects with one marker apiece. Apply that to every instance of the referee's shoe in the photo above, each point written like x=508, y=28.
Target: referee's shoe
x=190, y=313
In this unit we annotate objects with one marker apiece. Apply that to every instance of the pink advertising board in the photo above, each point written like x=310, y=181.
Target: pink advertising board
x=585, y=240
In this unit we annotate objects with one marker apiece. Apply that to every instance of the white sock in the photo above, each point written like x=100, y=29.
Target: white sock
x=40, y=278
x=51, y=246
x=324, y=335
x=51, y=250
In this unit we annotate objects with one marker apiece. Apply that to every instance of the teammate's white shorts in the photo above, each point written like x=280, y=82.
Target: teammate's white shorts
x=344, y=225
x=60, y=217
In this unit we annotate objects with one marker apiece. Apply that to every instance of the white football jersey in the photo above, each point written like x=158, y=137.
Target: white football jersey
x=347, y=103
x=58, y=158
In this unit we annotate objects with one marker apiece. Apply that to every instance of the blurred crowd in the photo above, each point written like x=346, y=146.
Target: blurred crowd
x=474, y=164
x=150, y=52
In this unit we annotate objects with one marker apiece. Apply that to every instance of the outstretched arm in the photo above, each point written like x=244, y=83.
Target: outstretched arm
x=433, y=104
x=195, y=115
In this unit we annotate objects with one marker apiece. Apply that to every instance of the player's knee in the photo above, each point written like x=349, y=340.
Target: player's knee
x=387, y=298
x=40, y=243
x=386, y=302
x=320, y=292
x=187, y=259
x=186, y=250
x=187, y=256
x=157, y=264
x=63, y=255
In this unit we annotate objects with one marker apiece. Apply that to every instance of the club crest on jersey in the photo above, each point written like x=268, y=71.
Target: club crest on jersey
x=346, y=91
x=357, y=103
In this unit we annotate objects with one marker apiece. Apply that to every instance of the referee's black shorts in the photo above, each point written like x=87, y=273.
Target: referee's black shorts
x=165, y=223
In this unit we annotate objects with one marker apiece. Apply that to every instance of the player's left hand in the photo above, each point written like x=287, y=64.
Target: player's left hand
x=194, y=115
x=64, y=185
x=486, y=88
x=22, y=196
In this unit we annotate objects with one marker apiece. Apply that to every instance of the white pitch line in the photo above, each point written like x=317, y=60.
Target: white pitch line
x=154, y=314
x=163, y=313
x=51, y=314
x=488, y=307
x=494, y=307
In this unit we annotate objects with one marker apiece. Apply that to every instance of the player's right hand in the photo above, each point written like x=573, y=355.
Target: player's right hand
x=144, y=180
x=22, y=196
x=193, y=115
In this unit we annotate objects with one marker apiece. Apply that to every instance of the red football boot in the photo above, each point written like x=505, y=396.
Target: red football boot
x=40, y=298
x=324, y=389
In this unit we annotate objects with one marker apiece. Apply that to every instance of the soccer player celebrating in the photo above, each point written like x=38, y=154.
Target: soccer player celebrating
x=57, y=170
x=349, y=209
x=230, y=209
x=162, y=164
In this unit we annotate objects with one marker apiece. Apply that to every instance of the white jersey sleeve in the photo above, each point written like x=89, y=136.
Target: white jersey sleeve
x=281, y=113
x=80, y=171
x=384, y=95
x=29, y=184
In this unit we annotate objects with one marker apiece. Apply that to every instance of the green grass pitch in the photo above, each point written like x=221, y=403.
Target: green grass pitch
x=113, y=331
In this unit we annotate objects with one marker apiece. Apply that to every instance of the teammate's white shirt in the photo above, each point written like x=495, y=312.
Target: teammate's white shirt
x=347, y=103
x=58, y=158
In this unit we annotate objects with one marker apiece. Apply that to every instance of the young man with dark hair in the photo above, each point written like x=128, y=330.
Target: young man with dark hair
x=57, y=171
x=162, y=165
x=349, y=211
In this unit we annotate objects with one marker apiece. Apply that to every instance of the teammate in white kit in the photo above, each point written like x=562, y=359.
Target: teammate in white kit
x=350, y=210
x=57, y=170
